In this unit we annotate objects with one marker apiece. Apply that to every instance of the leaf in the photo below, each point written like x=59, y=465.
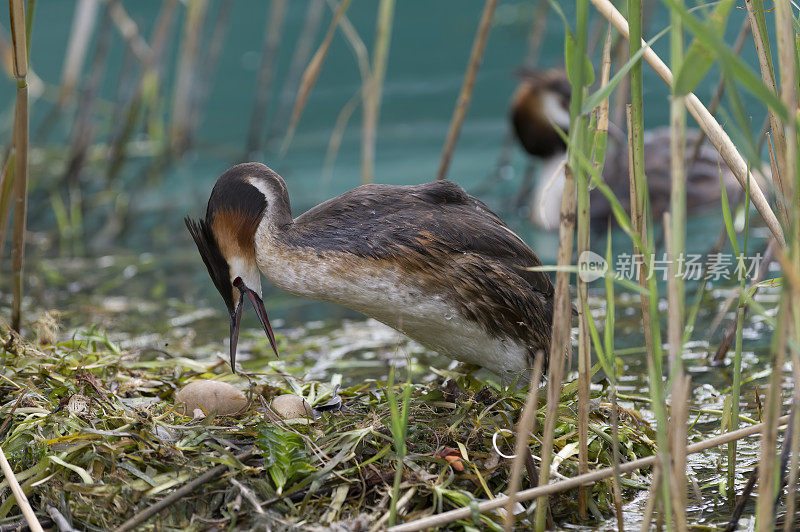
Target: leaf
x=732, y=66
x=284, y=455
x=571, y=55
x=699, y=57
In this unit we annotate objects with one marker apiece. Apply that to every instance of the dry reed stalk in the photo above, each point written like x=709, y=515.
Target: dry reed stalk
x=784, y=19
x=19, y=494
x=522, y=450
x=763, y=269
x=716, y=135
x=362, y=60
x=83, y=130
x=785, y=33
x=465, y=95
x=374, y=89
x=311, y=74
x=128, y=29
x=765, y=516
x=574, y=482
x=537, y=33
x=764, y=54
x=80, y=35
x=677, y=113
x=335, y=140
x=794, y=461
x=358, y=47
x=605, y=73
x=674, y=315
x=6, y=188
x=31, y=8
x=205, y=76
x=652, y=499
x=266, y=69
x=302, y=51
x=186, y=79
x=616, y=476
x=678, y=433
x=148, y=80
x=560, y=343
x=20, y=187
x=580, y=142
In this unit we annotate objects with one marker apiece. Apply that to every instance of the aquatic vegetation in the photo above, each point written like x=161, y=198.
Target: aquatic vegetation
x=92, y=431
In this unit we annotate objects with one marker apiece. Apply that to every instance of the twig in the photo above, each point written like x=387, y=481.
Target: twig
x=128, y=29
x=373, y=90
x=266, y=70
x=302, y=50
x=310, y=75
x=465, y=95
x=249, y=495
x=19, y=495
x=678, y=428
x=178, y=494
x=521, y=448
x=59, y=520
x=186, y=77
x=581, y=480
x=11, y=413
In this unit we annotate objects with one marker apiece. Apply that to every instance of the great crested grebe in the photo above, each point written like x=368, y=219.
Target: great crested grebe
x=428, y=260
x=542, y=99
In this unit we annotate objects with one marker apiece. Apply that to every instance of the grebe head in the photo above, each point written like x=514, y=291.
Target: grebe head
x=243, y=196
x=540, y=102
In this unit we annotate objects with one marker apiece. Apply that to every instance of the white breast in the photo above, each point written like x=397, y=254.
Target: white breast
x=546, y=208
x=380, y=290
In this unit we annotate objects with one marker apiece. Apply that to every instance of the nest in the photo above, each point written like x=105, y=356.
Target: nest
x=94, y=437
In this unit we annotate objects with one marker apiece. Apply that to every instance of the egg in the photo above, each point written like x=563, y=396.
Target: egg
x=210, y=396
x=290, y=406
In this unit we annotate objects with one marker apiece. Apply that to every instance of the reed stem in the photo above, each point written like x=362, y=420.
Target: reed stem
x=185, y=84
x=374, y=89
x=302, y=51
x=579, y=142
x=527, y=423
x=311, y=74
x=19, y=41
x=465, y=95
x=269, y=56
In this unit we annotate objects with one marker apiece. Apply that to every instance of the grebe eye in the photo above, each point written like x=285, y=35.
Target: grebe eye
x=237, y=282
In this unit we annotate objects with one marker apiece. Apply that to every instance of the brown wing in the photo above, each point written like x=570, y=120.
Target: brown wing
x=451, y=237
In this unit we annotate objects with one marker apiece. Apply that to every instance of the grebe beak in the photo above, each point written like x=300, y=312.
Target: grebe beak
x=236, y=318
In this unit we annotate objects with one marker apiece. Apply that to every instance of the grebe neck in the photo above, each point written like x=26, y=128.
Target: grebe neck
x=546, y=208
